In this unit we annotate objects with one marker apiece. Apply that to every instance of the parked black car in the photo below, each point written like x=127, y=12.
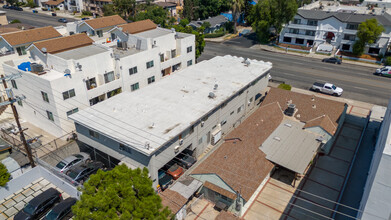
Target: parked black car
x=164, y=179
x=185, y=160
x=63, y=20
x=39, y=205
x=61, y=210
x=6, y=6
x=12, y=7
x=81, y=172
x=18, y=8
x=332, y=60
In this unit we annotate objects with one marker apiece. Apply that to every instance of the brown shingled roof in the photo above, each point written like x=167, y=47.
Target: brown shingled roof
x=138, y=26
x=103, y=22
x=309, y=107
x=64, y=43
x=30, y=36
x=173, y=200
x=324, y=122
x=53, y=2
x=220, y=190
x=241, y=164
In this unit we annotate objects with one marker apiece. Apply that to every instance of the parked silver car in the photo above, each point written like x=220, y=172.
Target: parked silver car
x=71, y=161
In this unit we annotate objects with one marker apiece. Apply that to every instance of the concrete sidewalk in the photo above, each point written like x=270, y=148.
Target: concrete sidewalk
x=311, y=55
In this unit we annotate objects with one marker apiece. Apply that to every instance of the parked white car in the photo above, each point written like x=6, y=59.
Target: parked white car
x=71, y=161
x=384, y=71
x=327, y=88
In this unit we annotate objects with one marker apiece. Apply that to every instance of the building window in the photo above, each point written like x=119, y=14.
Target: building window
x=374, y=50
x=162, y=58
x=287, y=39
x=189, y=49
x=223, y=122
x=349, y=37
x=99, y=33
x=114, y=92
x=310, y=42
x=173, y=53
x=91, y=83
x=345, y=46
x=189, y=62
x=20, y=103
x=176, y=67
x=294, y=31
x=68, y=94
x=310, y=33
x=351, y=26
x=125, y=148
x=45, y=96
x=149, y=64
x=134, y=87
x=312, y=22
x=94, y=134
x=133, y=70
x=72, y=111
x=50, y=115
x=299, y=41
x=13, y=82
x=240, y=108
x=297, y=21
x=151, y=79
x=232, y=113
x=109, y=77
x=200, y=141
x=21, y=50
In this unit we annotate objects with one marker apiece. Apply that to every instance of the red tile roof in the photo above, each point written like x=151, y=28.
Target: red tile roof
x=138, y=26
x=103, y=22
x=324, y=122
x=31, y=35
x=241, y=164
x=173, y=200
x=61, y=44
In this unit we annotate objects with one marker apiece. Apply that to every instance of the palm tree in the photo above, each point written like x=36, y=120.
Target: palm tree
x=237, y=6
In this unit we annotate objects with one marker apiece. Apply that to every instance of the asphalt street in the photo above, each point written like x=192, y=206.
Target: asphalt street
x=37, y=20
x=358, y=82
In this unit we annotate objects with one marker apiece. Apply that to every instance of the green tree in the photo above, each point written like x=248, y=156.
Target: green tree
x=108, y=10
x=156, y=13
x=247, y=10
x=206, y=25
x=125, y=8
x=31, y=4
x=184, y=22
x=15, y=21
x=4, y=175
x=121, y=193
x=12, y=2
x=237, y=6
x=368, y=32
x=268, y=14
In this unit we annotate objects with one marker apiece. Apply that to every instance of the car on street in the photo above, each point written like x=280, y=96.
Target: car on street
x=164, y=179
x=327, y=88
x=12, y=7
x=62, y=210
x=6, y=6
x=175, y=170
x=385, y=71
x=18, y=8
x=332, y=60
x=71, y=161
x=63, y=20
x=83, y=19
x=81, y=172
x=185, y=160
x=38, y=206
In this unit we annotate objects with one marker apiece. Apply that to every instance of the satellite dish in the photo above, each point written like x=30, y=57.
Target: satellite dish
x=44, y=49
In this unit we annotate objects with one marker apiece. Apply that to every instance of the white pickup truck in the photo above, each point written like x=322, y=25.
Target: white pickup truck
x=327, y=88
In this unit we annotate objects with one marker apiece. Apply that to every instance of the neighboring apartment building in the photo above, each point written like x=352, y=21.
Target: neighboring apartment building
x=336, y=27
x=376, y=200
x=176, y=50
x=95, y=6
x=74, y=5
x=98, y=28
x=74, y=72
x=190, y=110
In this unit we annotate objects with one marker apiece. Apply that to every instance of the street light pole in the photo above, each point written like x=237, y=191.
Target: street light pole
x=26, y=147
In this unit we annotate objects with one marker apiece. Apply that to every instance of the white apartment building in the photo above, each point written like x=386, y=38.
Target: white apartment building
x=190, y=110
x=336, y=27
x=73, y=5
x=64, y=75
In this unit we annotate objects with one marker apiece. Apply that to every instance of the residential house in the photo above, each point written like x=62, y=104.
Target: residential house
x=377, y=3
x=216, y=23
x=95, y=6
x=74, y=5
x=98, y=28
x=328, y=29
x=74, y=72
x=169, y=6
x=52, y=5
x=268, y=138
x=20, y=40
x=176, y=50
x=190, y=110
x=376, y=200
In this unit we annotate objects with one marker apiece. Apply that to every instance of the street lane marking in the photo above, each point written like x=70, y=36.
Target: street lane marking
x=360, y=88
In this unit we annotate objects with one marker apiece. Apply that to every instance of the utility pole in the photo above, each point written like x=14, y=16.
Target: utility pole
x=11, y=101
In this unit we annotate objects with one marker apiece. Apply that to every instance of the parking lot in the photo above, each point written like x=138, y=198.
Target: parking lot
x=15, y=202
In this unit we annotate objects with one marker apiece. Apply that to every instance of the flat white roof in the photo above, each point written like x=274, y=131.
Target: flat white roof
x=160, y=111
x=81, y=52
x=154, y=33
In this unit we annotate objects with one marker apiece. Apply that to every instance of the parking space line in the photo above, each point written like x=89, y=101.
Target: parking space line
x=322, y=184
x=338, y=159
x=274, y=209
x=329, y=171
x=345, y=148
